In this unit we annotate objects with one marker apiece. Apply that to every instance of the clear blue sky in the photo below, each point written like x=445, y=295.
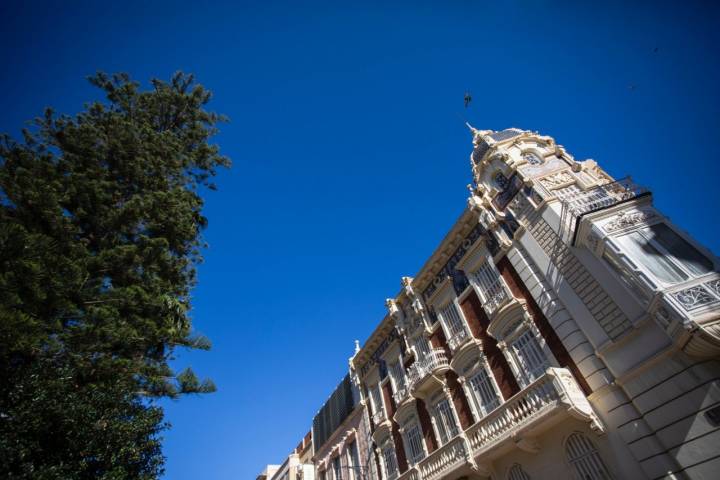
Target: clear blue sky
x=351, y=159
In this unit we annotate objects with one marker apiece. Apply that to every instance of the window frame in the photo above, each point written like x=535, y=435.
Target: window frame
x=438, y=419
x=592, y=454
x=479, y=365
x=409, y=425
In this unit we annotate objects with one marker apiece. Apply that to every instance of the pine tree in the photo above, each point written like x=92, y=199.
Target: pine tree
x=100, y=233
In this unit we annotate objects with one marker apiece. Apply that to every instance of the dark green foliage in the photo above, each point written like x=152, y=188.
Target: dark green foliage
x=100, y=223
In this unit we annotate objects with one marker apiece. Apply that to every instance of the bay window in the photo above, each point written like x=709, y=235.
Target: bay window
x=663, y=253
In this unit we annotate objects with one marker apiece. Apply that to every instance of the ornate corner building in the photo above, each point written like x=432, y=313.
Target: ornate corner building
x=564, y=328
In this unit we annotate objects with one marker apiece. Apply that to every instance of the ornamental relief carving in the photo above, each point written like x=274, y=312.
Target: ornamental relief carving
x=694, y=297
x=628, y=219
x=549, y=166
x=557, y=179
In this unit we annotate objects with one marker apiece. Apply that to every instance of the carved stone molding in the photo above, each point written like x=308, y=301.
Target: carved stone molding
x=557, y=179
x=627, y=219
x=694, y=297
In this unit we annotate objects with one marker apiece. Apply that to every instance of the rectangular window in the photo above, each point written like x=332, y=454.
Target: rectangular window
x=491, y=289
x=337, y=472
x=453, y=321
x=422, y=346
x=664, y=253
x=413, y=438
x=445, y=421
x=376, y=397
x=397, y=374
x=353, y=461
x=389, y=460
x=531, y=359
x=483, y=392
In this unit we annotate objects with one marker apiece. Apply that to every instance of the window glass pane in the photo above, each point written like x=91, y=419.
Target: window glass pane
x=483, y=390
x=336, y=468
x=398, y=375
x=644, y=253
x=452, y=318
x=422, y=346
x=695, y=261
x=530, y=356
x=376, y=399
x=413, y=437
x=390, y=465
x=445, y=421
x=354, y=460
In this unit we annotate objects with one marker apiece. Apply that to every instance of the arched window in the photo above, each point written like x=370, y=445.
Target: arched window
x=516, y=472
x=585, y=459
x=532, y=158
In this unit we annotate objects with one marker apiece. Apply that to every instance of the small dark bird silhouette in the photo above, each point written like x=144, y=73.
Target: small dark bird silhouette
x=655, y=50
x=468, y=99
x=632, y=87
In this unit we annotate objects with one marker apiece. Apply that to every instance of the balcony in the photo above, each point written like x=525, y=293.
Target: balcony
x=577, y=204
x=548, y=400
x=423, y=372
x=446, y=460
x=410, y=474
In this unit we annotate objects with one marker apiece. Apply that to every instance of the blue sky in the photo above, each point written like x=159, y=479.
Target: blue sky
x=351, y=158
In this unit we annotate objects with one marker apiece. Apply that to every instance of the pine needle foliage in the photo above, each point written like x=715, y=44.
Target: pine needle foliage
x=100, y=234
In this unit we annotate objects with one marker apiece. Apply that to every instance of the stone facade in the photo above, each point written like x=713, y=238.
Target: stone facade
x=564, y=328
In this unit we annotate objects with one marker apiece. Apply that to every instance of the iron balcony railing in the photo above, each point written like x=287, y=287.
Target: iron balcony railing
x=425, y=366
x=577, y=204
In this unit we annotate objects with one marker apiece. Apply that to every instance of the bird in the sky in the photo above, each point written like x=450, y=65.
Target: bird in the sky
x=632, y=87
x=468, y=99
x=655, y=50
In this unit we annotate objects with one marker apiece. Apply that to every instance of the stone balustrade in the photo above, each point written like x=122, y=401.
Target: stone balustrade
x=555, y=392
x=438, y=464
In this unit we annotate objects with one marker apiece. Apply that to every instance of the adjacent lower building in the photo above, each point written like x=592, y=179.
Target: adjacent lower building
x=563, y=328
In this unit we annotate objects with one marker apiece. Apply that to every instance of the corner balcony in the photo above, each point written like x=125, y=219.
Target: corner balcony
x=582, y=202
x=550, y=399
x=426, y=373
